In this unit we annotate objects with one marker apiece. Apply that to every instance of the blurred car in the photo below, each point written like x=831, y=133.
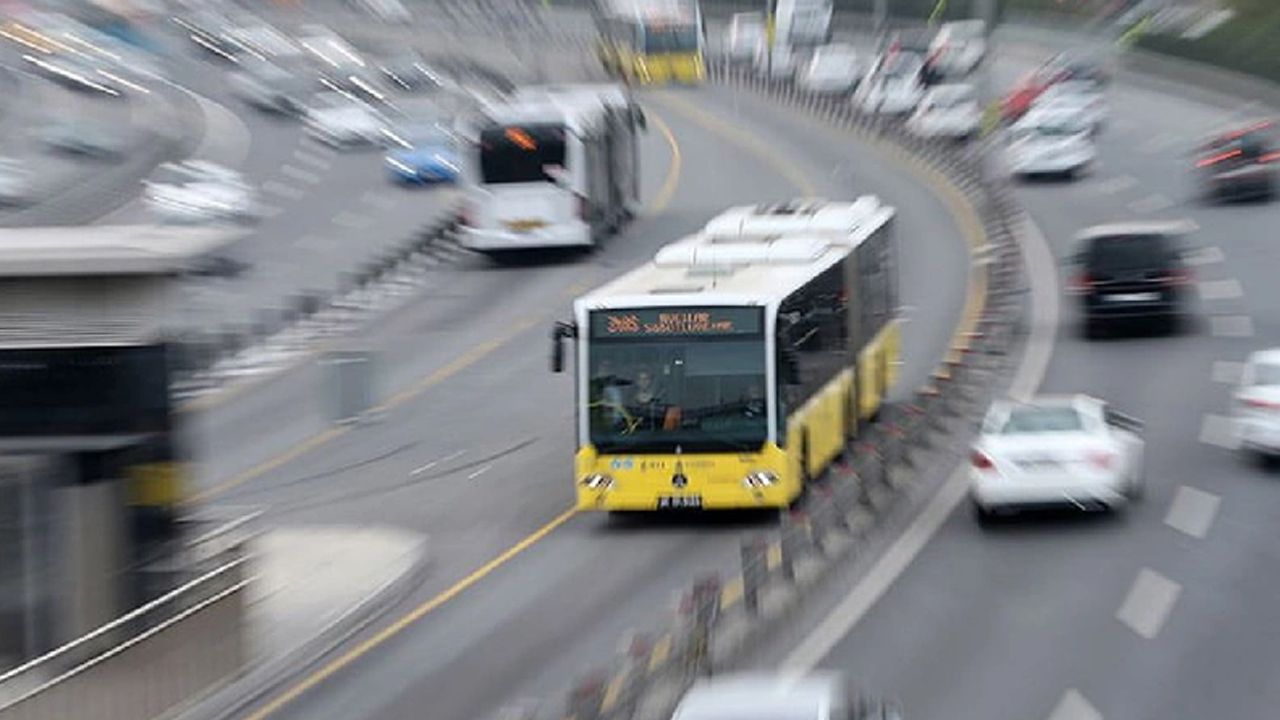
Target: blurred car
x=211, y=33
x=1055, y=451
x=388, y=11
x=1130, y=271
x=85, y=138
x=1256, y=403
x=262, y=41
x=77, y=73
x=15, y=182
x=270, y=87
x=424, y=154
x=833, y=69
x=763, y=696
x=1082, y=99
x=409, y=72
x=921, y=43
x=780, y=66
x=894, y=86
x=744, y=37
x=1240, y=163
x=1050, y=144
x=342, y=121
x=197, y=191
x=1078, y=65
x=959, y=47
x=947, y=111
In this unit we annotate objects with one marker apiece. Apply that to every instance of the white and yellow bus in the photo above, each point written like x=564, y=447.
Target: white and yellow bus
x=652, y=41
x=738, y=363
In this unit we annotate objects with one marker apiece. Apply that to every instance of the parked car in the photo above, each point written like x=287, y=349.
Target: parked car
x=833, y=69
x=947, y=111
x=959, y=47
x=894, y=86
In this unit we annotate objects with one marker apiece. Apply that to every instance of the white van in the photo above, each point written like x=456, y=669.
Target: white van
x=556, y=166
x=803, y=22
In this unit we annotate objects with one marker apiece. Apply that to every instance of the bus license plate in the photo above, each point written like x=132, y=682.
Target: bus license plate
x=680, y=502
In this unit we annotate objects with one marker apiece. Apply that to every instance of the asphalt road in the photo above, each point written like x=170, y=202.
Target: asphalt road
x=476, y=453
x=1165, y=611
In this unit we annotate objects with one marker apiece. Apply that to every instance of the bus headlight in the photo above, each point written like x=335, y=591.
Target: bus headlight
x=759, y=479
x=597, y=481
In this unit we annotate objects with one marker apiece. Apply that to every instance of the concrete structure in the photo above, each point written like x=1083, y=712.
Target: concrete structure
x=85, y=421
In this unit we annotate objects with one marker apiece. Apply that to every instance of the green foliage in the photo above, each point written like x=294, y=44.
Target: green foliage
x=1248, y=43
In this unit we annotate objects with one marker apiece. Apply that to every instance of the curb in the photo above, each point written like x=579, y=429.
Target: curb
x=256, y=682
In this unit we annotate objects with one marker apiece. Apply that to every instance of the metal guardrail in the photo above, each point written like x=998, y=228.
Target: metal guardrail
x=155, y=657
x=717, y=619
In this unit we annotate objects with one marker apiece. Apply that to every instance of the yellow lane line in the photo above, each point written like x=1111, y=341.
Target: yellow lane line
x=753, y=144
x=661, y=651
x=408, y=619
x=672, y=181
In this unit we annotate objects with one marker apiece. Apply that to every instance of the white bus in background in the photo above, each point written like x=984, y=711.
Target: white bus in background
x=803, y=22
x=555, y=166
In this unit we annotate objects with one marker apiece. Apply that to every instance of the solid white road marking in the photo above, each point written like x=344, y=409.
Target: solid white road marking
x=1192, y=511
x=1073, y=706
x=1151, y=204
x=1219, y=430
x=1148, y=603
x=1220, y=289
x=1115, y=185
x=480, y=472
x=1231, y=326
x=1227, y=371
x=1042, y=269
x=1206, y=256
x=275, y=187
x=433, y=463
x=296, y=173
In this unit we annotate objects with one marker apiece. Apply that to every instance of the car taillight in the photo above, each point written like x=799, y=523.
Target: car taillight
x=1269, y=157
x=1259, y=404
x=981, y=461
x=1215, y=159
x=1177, y=277
x=1082, y=282
x=1101, y=460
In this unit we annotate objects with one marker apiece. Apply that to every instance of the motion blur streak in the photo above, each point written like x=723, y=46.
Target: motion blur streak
x=405, y=621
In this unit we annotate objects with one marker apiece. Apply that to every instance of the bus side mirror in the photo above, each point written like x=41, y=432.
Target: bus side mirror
x=559, y=332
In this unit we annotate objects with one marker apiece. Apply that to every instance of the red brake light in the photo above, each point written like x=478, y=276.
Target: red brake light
x=1101, y=460
x=1270, y=157
x=981, y=461
x=1261, y=404
x=1215, y=159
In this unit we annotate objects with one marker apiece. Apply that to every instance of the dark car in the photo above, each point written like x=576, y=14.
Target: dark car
x=1240, y=164
x=1132, y=271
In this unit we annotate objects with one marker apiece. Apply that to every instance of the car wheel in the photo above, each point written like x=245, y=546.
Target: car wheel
x=1092, y=329
x=986, y=517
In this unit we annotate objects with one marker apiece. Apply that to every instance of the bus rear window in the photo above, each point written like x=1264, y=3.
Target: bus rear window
x=521, y=154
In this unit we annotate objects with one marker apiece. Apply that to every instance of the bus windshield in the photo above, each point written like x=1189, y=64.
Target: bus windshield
x=660, y=387
x=670, y=39
x=524, y=154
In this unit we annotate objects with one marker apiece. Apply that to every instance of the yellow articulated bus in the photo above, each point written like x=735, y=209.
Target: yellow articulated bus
x=738, y=363
x=652, y=41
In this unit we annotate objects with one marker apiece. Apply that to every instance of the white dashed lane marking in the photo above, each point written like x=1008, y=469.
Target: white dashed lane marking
x=1227, y=371
x=1206, y=256
x=1151, y=204
x=309, y=158
x=1192, y=511
x=1219, y=430
x=294, y=172
x=1148, y=603
x=1220, y=290
x=275, y=187
x=1115, y=185
x=1231, y=326
x=1074, y=706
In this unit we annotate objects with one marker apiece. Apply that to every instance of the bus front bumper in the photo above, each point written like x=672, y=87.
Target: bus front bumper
x=492, y=239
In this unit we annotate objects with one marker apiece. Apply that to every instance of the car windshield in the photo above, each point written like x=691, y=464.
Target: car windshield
x=1123, y=253
x=1041, y=419
x=1266, y=374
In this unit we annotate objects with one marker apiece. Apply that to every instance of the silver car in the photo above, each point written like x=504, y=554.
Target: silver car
x=342, y=121
x=765, y=696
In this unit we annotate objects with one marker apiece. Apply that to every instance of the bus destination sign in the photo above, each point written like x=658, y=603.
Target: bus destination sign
x=676, y=322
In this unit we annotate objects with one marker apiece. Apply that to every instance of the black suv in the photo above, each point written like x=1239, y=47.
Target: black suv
x=1130, y=272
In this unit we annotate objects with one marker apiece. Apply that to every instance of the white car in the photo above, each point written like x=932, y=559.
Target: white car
x=1079, y=98
x=765, y=696
x=781, y=66
x=1257, y=403
x=744, y=37
x=894, y=87
x=1050, y=144
x=197, y=191
x=947, y=111
x=340, y=120
x=1056, y=451
x=832, y=69
x=15, y=182
x=959, y=47
x=269, y=87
